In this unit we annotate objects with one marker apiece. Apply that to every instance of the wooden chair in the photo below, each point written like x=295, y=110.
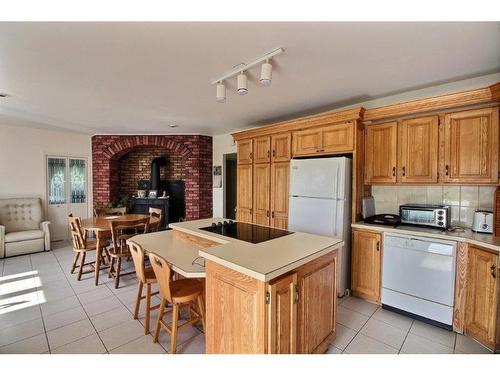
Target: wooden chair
x=106, y=211
x=81, y=245
x=145, y=276
x=180, y=293
x=119, y=247
x=155, y=212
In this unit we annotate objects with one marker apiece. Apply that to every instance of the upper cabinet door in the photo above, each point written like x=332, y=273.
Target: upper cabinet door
x=261, y=193
x=418, y=156
x=245, y=151
x=280, y=176
x=337, y=138
x=380, y=153
x=262, y=150
x=281, y=145
x=306, y=142
x=471, y=146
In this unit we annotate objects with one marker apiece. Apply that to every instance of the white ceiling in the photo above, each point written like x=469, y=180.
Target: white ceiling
x=140, y=77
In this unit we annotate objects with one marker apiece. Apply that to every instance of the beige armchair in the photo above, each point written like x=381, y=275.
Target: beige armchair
x=22, y=229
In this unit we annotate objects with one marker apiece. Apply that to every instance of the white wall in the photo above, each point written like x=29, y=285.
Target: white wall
x=223, y=144
x=22, y=158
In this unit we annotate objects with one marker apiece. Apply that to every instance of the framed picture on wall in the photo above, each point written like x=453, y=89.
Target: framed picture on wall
x=153, y=194
x=217, y=176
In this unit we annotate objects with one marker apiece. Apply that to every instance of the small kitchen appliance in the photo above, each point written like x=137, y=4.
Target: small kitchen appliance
x=483, y=221
x=429, y=215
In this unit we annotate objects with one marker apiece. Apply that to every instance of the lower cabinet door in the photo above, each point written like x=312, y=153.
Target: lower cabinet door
x=482, y=296
x=282, y=315
x=365, y=264
x=280, y=176
x=244, y=198
x=261, y=193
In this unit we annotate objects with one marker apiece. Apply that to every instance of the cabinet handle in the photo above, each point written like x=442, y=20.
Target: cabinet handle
x=393, y=171
x=493, y=269
x=268, y=153
x=378, y=245
x=404, y=171
x=267, y=213
x=296, y=297
x=251, y=156
x=274, y=153
x=272, y=214
x=447, y=169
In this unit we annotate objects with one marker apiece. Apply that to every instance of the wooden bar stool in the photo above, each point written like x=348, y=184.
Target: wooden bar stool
x=180, y=293
x=120, y=249
x=155, y=212
x=81, y=245
x=106, y=211
x=145, y=276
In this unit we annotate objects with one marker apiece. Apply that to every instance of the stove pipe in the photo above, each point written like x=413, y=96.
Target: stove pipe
x=155, y=172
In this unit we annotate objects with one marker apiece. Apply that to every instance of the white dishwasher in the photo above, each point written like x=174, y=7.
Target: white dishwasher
x=418, y=277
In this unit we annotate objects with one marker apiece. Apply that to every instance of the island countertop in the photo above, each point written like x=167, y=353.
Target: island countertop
x=263, y=261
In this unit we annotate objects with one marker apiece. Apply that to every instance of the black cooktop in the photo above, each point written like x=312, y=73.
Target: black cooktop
x=246, y=232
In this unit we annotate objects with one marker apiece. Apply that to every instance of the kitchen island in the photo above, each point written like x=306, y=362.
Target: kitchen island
x=275, y=296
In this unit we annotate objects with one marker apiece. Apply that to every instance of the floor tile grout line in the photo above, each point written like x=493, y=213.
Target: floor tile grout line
x=407, y=333
x=358, y=332
x=41, y=315
x=85, y=311
x=432, y=340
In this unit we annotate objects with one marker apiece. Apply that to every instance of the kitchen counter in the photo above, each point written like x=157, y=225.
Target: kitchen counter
x=480, y=239
x=263, y=261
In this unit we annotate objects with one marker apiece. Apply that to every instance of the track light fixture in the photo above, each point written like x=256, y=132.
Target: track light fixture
x=266, y=73
x=242, y=79
x=220, y=95
x=242, y=84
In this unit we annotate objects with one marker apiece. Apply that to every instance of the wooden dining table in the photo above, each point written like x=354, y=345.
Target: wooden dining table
x=101, y=227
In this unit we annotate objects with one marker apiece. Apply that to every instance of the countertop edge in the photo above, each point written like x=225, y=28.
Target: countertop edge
x=448, y=236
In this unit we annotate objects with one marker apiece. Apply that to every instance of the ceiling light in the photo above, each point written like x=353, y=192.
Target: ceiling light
x=242, y=84
x=266, y=74
x=220, y=95
x=173, y=125
x=3, y=95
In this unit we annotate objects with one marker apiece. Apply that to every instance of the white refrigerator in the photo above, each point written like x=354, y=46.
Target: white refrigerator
x=320, y=203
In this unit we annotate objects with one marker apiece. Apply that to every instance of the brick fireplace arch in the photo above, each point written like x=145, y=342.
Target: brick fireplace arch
x=195, y=149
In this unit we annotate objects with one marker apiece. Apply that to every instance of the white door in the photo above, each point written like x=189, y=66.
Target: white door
x=67, y=192
x=320, y=178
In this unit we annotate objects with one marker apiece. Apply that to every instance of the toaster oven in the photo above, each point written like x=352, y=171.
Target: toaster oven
x=429, y=215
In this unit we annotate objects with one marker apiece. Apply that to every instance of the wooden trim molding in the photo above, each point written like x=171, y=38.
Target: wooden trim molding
x=469, y=97
x=460, y=288
x=354, y=114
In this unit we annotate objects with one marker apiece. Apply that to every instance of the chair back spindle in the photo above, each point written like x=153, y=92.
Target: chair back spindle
x=163, y=273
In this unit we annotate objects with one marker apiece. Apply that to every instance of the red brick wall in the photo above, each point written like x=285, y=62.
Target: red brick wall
x=195, y=150
x=136, y=165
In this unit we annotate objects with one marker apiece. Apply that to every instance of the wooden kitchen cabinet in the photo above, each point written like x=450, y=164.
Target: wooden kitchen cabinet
x=262, y=150
x=324, y=140
x=244, y=197
x=280, y=176
x=245, y=151
x=418, y=150
x=381, y=153
x=282, y=315
x=471, y=147
x=365, y=264
x=281, y=145
x=482, y=319
x=261, y=194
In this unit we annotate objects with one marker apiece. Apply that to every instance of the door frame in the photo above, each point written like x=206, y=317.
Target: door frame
x=88, y=191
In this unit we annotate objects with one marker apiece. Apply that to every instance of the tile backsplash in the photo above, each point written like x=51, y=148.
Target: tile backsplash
x=464, y=200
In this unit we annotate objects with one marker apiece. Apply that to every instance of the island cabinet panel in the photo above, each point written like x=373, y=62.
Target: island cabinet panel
x=381, y=153
x=317, y=304
x=481, y=305
x=337, y=138
x=244, y=197
x=235, y=312
x=280, y=175
x=418, y=153
x=365, y=264
x=261, y=194
x=281, y=145
x=262, y=150
x=245, y=151
x=282, y=315
x=306, y=142
x=471, y=146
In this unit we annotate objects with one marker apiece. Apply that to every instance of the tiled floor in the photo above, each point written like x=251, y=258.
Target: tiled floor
x=44, y=309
